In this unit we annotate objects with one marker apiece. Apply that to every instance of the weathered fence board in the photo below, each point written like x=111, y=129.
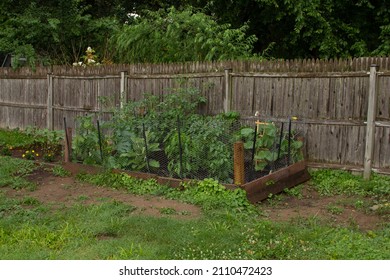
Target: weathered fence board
x=329, y=97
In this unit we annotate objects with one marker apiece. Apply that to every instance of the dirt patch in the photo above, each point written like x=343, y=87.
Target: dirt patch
x=338, y=210
x=66, y=191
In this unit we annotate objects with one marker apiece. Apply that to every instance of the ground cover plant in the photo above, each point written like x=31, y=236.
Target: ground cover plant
x=31, y=143
x=36, y=224
x=10, y=139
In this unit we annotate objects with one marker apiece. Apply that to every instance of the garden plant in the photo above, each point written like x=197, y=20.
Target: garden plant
x=171, y=138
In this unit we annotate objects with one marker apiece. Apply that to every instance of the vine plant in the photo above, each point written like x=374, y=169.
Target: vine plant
x=269, y=149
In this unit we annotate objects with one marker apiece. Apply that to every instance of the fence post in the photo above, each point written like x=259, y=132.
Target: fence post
x=227, y=106
x=370, y=128
x=123, y=89
x=49, y=115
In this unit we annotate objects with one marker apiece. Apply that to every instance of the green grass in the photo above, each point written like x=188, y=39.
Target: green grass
x=13, y=172
x=228, y=229
x=59, y=171
x=108, y=231
x=332, y=182
x=336, y=182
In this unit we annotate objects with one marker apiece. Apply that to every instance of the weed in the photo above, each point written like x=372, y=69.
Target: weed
x=334, y=209
x=130, y=252
x=13, y=171
x=168, y=211
x=30, y=201
x=274, y=200
x=6, y=150
x=59, y=171
x=359, y=204
x=295, y=192
x=83, y=197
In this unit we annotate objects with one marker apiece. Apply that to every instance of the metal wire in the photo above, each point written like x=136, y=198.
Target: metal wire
x=205, y=154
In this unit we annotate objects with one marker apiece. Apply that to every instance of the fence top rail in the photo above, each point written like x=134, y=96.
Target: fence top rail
x=258, y=66
x=302, y=75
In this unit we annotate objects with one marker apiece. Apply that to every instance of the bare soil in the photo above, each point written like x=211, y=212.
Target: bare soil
x=66, y=191
x=339, y=210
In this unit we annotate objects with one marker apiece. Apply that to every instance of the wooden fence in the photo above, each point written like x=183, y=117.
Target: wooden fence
x=329, y=98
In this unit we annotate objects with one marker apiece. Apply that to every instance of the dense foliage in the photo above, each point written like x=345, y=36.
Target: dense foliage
x=52, y=32
x=59, y=32
x=144, y=135
x=181, y=36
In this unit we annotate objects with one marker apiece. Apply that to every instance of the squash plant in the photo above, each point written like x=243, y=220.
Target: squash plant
x=136, y=155
x=206, y=148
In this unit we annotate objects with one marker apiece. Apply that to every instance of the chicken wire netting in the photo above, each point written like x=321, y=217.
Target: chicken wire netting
x=191, y=147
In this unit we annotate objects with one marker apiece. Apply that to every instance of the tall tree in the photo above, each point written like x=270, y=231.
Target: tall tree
x=51, y=31
x=173, y=35
x=301, y=28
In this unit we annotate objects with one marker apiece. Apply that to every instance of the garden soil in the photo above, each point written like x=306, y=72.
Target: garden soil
x=60, y=192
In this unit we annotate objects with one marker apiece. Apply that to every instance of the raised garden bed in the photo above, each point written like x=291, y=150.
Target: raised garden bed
x=257, y=190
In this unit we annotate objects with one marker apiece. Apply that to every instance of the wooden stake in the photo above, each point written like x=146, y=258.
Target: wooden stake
x=239, y=163
x=68, y=145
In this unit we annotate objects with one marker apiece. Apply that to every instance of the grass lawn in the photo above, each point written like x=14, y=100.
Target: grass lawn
x=228, y=227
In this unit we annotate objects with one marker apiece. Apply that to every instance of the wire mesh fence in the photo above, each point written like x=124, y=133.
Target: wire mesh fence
x=192, y=147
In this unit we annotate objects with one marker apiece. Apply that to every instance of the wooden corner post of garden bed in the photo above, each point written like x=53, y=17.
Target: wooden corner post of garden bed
x=239, y=162
x=276, y=182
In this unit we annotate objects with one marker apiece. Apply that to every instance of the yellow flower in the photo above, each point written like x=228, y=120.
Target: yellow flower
x=37, y=154
x=27, y=152
x=294, y=118
x=23, y=155
x=33, y=151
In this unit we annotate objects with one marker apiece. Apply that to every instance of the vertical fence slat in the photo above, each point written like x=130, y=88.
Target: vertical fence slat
x=228, y=91
x=49, y=115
